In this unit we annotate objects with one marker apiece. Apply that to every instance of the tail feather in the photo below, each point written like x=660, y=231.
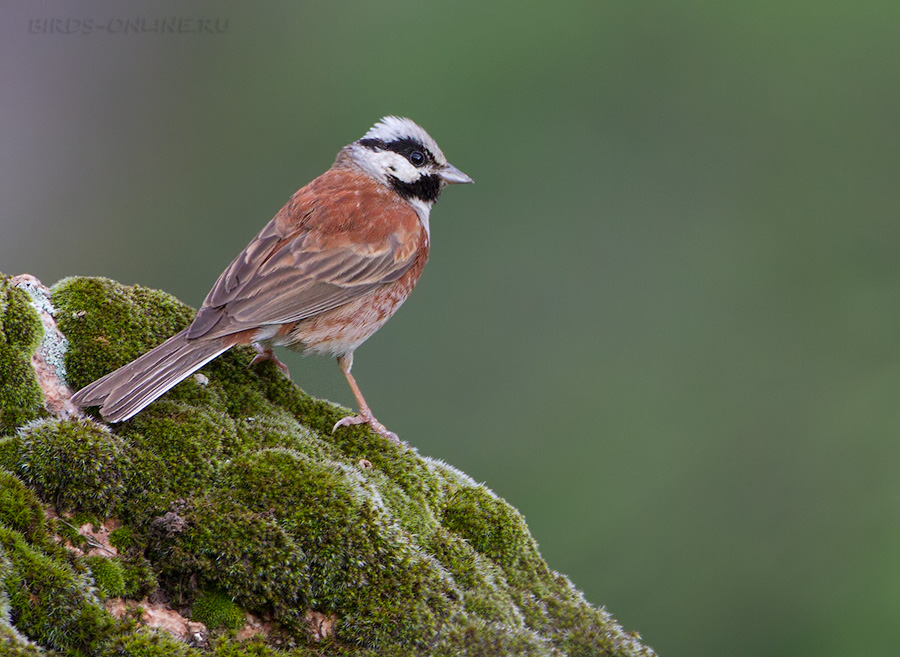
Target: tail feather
x=131, y=388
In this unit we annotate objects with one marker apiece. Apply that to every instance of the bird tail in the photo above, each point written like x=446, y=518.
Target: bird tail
x=125, y=392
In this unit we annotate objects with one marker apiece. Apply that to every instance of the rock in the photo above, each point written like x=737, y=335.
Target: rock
x=230, y=494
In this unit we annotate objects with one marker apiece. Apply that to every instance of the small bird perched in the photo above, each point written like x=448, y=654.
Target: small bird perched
x=326, y=273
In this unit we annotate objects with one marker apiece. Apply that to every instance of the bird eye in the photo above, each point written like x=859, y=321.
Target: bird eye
x=417, y=158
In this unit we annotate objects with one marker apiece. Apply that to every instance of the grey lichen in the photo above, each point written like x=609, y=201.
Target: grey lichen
x=53, y=345
x=234, y=497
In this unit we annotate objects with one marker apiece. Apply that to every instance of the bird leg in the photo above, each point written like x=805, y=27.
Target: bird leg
x=266, y=353
x=365, y=414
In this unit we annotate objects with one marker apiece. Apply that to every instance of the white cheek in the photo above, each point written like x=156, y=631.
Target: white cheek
x=396, y=165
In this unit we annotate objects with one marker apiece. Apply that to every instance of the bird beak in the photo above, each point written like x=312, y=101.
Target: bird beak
x=451, y=175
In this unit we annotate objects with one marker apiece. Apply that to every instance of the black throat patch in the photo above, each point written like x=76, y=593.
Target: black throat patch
x=426, y=188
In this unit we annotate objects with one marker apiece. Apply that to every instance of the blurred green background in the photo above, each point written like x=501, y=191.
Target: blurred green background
x=663, y=324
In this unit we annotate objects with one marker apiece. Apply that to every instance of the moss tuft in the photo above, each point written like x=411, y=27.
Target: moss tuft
x=9, y=452
x=74, y=464
x=146, y=643
x=49, y=601
x=173, y=438
x=21, y=399
x=109, y=576
x=252, y=648
x=403, y=599
x=123, y=538
x=109, y=324
x=12, y=643
x=473, y=636
x=20, y=509
x=140, y=578
x=217, y=611
x=226, y=547
x=492, y=527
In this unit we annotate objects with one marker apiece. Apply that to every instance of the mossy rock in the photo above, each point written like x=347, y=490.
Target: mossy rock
x=21, y=398
x=234, y=497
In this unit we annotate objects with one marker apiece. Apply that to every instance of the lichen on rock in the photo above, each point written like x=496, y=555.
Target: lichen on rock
x=237, y=502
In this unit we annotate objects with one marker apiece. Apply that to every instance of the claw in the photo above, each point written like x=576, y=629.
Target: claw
x=369, y=419
x=263, y=354
x=365, y=416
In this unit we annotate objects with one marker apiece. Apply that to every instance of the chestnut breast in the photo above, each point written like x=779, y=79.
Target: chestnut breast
x=359, y=220
x=341, y=330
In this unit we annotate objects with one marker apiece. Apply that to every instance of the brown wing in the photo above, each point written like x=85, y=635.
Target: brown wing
x=338, y=238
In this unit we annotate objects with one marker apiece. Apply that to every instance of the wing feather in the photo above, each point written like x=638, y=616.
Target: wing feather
x=300, y=265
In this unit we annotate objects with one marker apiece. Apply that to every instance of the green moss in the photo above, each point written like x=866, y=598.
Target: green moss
x=278, y=428
x=140, y=578
x=224, y=546
x=109, y=575
x=317, y=414
x=172, y=438
x=123, y=538
x=66, y=532
x=238, y=384
x=9, y=452
x=20, y=509
x=403, y=598
x=109, y=324
x=21, y=399
x=472, y=636
x=50, y=603
x=74, y=464
x=138, y=573
x=258, y=648
x=493, y=528
x=235, y=495
x=146, y=643
x=485, y=593
x=247, y=649
x=217, y=611
x=13, y=644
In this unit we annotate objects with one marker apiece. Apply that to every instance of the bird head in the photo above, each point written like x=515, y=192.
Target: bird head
x=400, y=154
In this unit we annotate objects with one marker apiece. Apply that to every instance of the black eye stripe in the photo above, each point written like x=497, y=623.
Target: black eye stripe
x=373, y=144
x=404, y=147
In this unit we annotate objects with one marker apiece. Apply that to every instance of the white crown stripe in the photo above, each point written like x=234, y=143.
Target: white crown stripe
x=394, y=128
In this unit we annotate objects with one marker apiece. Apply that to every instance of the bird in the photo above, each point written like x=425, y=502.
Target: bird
x=321, y=277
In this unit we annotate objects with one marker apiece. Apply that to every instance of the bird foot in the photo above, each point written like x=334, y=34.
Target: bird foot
x=263, y=354
x=368, y=418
